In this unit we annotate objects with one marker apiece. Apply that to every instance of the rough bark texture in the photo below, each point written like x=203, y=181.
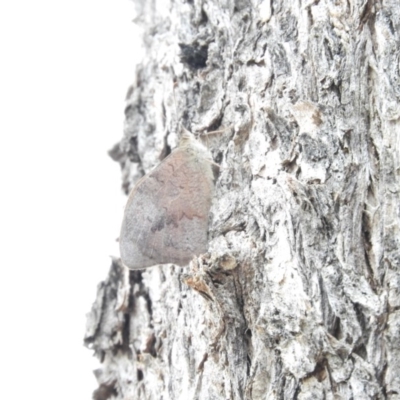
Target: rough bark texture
x=299, y=295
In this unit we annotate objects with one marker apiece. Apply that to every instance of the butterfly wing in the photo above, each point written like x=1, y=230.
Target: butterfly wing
x=166, y=216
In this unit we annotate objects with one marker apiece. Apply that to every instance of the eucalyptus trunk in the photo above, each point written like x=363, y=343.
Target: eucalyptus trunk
x=298, y=296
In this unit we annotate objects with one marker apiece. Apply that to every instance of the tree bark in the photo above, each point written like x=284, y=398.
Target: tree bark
x=299, y=294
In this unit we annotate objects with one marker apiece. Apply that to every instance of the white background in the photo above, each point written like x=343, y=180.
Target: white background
x=65, y=68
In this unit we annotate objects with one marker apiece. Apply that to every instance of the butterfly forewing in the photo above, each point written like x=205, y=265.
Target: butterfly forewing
x=166, y=216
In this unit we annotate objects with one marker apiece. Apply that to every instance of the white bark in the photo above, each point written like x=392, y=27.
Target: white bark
x=299, y=295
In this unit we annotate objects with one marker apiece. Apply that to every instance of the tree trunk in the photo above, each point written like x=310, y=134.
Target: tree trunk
x=299, y=294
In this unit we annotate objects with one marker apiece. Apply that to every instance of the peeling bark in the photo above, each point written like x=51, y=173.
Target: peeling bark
x=299, y=294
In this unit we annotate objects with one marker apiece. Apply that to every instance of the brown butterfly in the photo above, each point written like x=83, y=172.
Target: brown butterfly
x=166, y=216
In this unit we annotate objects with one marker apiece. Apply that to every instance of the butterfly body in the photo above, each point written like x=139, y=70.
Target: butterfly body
x=166, y=216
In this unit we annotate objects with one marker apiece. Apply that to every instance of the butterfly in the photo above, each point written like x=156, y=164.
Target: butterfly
x=167, y=212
